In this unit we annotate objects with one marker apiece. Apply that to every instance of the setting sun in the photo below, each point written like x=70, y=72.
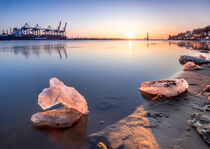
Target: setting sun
x=130, y=35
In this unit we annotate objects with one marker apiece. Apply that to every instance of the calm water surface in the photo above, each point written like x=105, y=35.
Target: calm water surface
x=107, y=73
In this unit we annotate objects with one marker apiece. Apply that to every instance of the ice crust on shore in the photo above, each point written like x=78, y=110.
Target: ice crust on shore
x=191, y=66
x=168, y=88
x=60, y=93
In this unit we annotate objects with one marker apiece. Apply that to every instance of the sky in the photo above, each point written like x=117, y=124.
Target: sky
x=108, y=18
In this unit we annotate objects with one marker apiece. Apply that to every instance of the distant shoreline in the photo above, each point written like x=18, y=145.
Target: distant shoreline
x=76, y=39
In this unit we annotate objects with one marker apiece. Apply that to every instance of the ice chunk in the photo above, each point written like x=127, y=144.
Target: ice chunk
x=201, y=56
x=168, y=88
x=60, y=93
x=60, y=118
x=191, y=66
x=185, y=58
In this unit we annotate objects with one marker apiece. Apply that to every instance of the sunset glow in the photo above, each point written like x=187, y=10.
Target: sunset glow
x=109, y=19
x=130, y=35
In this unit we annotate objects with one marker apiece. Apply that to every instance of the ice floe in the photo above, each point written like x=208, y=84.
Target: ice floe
x=74, y=106
x=60, y=93
x=168, y=88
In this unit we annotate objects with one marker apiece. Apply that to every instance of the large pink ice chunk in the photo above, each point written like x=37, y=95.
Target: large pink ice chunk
x=60, y=93
x=168, y=88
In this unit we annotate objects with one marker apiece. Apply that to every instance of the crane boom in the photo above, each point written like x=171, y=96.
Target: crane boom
x=59, y=26
x=65, y=26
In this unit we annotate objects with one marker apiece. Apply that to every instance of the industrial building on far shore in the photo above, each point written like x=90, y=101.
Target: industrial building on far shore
x=28, y=32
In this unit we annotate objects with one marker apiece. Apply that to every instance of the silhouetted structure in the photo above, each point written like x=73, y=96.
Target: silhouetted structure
x=35, y=33
x=196, y=34
x=147, y=36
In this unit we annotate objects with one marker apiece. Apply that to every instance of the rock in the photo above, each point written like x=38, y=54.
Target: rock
x=60, y=93
x=191, y=66
x=131, y=132
x=185, y=58
x=202, y=124
x=59, y=118
x=167, y=88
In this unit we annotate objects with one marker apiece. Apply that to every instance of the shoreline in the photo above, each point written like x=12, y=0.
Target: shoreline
x=174, y=131
x=164, y=123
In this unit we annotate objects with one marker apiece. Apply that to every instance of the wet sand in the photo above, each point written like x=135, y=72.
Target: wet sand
x=174, y=131
x=162, y=123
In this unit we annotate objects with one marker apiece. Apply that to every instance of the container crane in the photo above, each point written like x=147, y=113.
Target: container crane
x=36, y=30
x=63, y=32
x=26, y=29
x=48, y=30
x=57, y=31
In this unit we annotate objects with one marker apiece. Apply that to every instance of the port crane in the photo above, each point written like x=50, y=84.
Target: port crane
x=48, y=30
x=26, y=29
x=63, y=32
x=36, y=32
x=57, y=31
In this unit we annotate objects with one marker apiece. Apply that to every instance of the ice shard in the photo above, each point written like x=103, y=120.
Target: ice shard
x=58, y=92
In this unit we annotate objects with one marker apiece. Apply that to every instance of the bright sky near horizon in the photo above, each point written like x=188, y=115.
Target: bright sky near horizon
x=108, y=18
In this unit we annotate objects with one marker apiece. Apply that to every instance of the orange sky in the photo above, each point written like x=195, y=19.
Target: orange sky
x=109, y=18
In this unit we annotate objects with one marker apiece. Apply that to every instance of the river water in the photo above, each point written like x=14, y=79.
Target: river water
x=107, y=73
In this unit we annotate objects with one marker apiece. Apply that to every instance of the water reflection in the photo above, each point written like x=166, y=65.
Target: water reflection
x=195, y=45
x=130, y=47
x=72, y=138
x=30, y=50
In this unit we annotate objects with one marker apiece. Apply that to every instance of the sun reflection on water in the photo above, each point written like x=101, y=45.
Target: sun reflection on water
x=130, y=47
